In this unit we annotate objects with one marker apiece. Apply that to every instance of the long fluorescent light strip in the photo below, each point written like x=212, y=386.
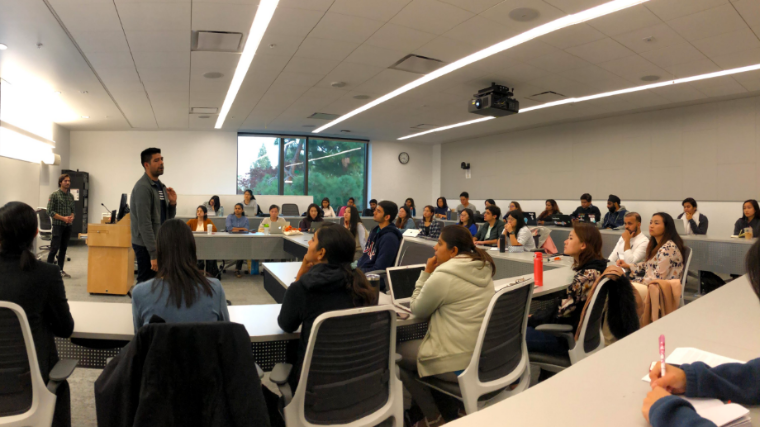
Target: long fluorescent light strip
x=258, y=28
x=541, y=30
x=603, y=95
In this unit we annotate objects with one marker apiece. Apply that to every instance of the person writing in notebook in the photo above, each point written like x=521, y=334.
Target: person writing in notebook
x=737, y=382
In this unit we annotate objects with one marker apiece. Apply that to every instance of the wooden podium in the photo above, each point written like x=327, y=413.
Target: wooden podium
x=111, y=260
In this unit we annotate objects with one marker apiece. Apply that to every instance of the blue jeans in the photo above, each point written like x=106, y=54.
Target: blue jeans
x=541, y=342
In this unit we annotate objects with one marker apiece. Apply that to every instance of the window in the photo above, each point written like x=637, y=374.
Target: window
x=274, y=164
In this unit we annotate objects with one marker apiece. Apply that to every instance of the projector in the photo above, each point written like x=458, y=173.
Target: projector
x=497, y=101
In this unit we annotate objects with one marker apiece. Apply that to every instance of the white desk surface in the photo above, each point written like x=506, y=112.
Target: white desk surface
x=606, y=389
x=526, y=257
x=685, y=237
x=555, y=280
x=284, y=272
x=300, y=239
x=220, y=234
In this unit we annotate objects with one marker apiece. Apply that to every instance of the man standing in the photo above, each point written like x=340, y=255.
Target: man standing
x=586, y=211
x=60, y=208
x=152, y=203
x=490, y=231
x=614, y=218
x=632, y=246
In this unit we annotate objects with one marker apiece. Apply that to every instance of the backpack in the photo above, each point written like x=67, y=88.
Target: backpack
x=709, y=281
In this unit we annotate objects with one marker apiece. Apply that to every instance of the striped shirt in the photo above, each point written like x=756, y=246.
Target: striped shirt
x=62, y=204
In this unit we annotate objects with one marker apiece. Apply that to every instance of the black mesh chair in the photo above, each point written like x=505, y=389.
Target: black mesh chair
x=290, y=209
x=25, y=399
x=349, y=374
x=590, y=339
x=45, y=227
x=501, y=356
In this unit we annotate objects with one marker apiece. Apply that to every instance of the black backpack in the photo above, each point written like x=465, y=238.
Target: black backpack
x=709, y=281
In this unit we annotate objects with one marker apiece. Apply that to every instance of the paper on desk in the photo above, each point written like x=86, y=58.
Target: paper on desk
x=719, y=413
x=684, y=355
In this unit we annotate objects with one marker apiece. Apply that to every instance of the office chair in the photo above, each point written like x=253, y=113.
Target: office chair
x=27, y=400
x=290, y=209
x=45, y=227
x=685, y=275
x=500, y=357
x=349, y=374
x=412, y=253
x=589, y=340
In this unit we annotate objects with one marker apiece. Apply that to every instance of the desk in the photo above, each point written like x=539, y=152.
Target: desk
x=253, y=221
x=608, y=383
x=256, y=246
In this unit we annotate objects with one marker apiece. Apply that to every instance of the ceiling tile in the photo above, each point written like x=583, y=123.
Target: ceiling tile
x=279, y=44
x=313, y=47
x=750, y=80
x=565, y=86
x=387, y=81
x=375, y=56
x=529, y=50
x=674, y=55
x=87, y=15
x=319, y=67
x=600, y=51
x=710, y=23
x=557, y=62
x=181, y=74
x=574, y=35
x=446, y=49
x=738, y=59
x=730, y=87
x=679, y=93
x=355, y=29
x=203, y=62
x=474, y=6
x=392, y=36
x=597, y=77
x=101, y=41
x=380, y=10
x=319, y=5
x=159, y=41
x=575, y=6
x=230, y=17
x=690, y=69
x=161, y=59
x=672, y=9
x=168, y=85
x=297, y=79
x=118, y=76
x=431, y=16
x=725, y=44
x=500, y=14
x=154, y=16
x=633, y=68
x=650, y=38
x=351, y=74
x=206, y=99
x=518, y=72
x=749, y=10
x=318, y=97
x=625, y=21
x=293, y=22
x=480, y=32
x=111, y=60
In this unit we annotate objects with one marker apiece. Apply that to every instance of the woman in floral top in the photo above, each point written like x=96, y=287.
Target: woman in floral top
x=584, y=244
x=664, y=259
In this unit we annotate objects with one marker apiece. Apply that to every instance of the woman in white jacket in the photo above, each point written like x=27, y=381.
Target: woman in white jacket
x=453, y=292
x=327, y=209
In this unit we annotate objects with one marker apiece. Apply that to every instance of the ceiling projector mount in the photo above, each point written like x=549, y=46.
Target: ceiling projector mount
x=496, y=101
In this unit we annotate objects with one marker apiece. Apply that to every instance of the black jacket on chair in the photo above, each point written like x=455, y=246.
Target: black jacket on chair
x=189, y=374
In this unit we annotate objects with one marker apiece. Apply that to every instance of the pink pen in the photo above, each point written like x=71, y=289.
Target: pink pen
x=662, y=355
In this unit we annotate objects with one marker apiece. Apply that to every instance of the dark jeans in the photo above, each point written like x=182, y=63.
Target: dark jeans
x=144, y=273
x=62, y=414
x=59, y=243
x=239, y=264
x=541, y=342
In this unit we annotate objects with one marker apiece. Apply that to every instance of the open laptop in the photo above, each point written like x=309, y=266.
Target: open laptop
x=277, y=228
x=530, y=218
x=560, y=220
x=401, y=282
x=411, y=233
x=679, y=227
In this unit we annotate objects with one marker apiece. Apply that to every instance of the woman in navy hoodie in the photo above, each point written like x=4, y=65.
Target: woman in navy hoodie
x=737, y=382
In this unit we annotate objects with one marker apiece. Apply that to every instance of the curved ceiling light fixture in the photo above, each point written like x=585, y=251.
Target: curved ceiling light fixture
x=558, y=24
x=260, y=23
x=601, y=95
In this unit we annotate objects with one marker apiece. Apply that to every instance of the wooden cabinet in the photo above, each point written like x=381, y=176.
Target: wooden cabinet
x=111, y=260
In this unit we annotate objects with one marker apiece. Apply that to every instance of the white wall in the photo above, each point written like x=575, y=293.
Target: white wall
x=393, y=181
x=49, y=174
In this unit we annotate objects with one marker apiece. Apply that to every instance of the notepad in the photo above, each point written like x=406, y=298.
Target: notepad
x=683, y=355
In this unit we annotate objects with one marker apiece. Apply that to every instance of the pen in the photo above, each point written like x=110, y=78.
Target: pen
x=662, y=355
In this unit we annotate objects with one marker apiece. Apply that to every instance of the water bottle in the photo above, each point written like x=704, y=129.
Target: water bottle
x=538, y=269
x=502, y=243
x=266, y=228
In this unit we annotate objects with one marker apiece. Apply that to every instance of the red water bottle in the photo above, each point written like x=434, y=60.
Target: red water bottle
x=538, y=269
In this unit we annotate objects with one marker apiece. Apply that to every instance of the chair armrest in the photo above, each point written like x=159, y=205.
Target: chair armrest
x=62, y=370
x=259, y=371
x=559, y=330
x=280, y=373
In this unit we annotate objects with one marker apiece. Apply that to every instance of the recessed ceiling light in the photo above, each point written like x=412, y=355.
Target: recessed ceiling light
x=651, y=78
x=3, y=47
x=338, y=84
x=524, y=14
x=203, y=117
x=362, y=97
x=85, y=117
x=345, y=131
x=58, y=92
x=213, y=75
x=84, y=92
x=557, y=24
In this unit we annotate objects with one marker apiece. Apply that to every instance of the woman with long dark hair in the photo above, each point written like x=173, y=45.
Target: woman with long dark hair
x=453, y=292
x=353, y=223
x=409, y=203
x=441, y=208
x=38, y=288
x=664, y=256
x=404, y=220
x=513, y=206
x=250, y=203
x=519, y=237
x=325, y=282
x=313, y=214
x=551, y=210
x=327, y=209
x=467, y=220
x=429, y=227
x=201, y=221
x=215, y=207
x=179, y=293
x=749, y=220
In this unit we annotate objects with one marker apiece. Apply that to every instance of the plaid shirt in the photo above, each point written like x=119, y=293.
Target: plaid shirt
x=62, y=204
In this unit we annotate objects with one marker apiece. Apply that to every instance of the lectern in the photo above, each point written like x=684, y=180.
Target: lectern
x=111, y=260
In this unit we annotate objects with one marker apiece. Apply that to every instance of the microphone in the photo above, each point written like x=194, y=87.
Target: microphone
x=107, y=210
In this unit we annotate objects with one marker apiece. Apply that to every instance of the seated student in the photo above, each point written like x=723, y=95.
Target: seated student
x=490, y=231
x=38, y=288
x=353, y=223
x=586, y=210
x=250, y=203
x=273, y=219
x=513, y=206
x=327, y=209
x=467, y=220
x=584, y=244
x=664, y=259
x=490, y=202
x=325, y=282
x=201, y=221
x=214, y=207
x=749, y=220
x=384, y=240
x=464, y=199
x=409, y=203
x=237, y=222
x=351, y=202
x=428, y=226
x=441, y=208
x=735, y=382
x=314, y=214
x=404, y=220
x=551, y=210
x=518, y=234
x=179, y=293
x=371, y=210
x=615, y=217
x=453, y=292
x=693, y=221
x=632, y=245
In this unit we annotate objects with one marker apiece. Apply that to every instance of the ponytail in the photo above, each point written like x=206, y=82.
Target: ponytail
x=362, y=293
x=340, y=246
x=18, y=228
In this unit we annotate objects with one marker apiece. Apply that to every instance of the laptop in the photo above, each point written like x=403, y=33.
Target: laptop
x=411, y=233
x=679, y=227
x=452, y=216
x=401, y=282
x=315, y=226
x=277, y=228
x=530, y=218
x=560, y=220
